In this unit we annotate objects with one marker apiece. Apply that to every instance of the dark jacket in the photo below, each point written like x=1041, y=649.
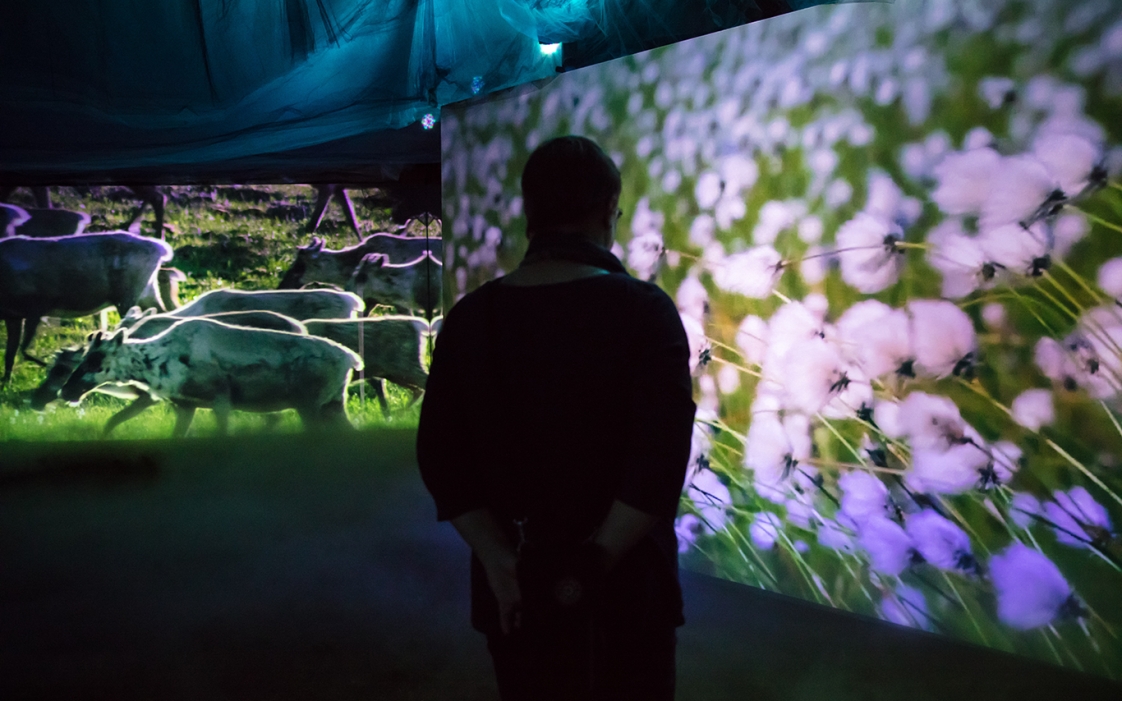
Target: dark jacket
x=548, y=403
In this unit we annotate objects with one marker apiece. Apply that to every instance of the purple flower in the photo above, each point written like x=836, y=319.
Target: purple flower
x=863, y=496
x=941, y=542
x=906, y=607
x=890, y=549
x=1031, y=592
x=1078, y=518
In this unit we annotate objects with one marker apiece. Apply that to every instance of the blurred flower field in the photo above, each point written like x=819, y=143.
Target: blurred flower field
x=894, y=233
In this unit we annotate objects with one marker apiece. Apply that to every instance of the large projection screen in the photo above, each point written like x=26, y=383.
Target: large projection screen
x=894, y=233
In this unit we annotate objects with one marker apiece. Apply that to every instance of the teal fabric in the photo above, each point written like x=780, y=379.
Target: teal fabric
x=90, y=89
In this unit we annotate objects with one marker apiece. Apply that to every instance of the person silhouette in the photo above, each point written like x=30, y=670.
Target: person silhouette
x=555, y=435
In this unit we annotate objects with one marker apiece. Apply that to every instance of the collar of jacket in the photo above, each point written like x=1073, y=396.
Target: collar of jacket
x=576, y=250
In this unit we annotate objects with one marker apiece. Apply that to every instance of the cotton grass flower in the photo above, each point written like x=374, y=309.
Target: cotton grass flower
x=711, y=498
x=1031, y=592
x=1110, y=277
x=905, y=606
x=864, y=496
x=940, y=542
x=1023, y=191
x=1072, y=160
x=942, y=337
x=1018, y=249
x=1078, y=520
x=645, y=253
x=775, y=446
x=870, y=259
x=889, y=548
x=751, y=339
x=964, y=181
x=959, y=258
x=752, y=273
x=1033, y=409
x=764, y=530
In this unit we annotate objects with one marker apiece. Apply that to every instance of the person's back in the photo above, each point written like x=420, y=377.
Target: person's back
x=557, y=417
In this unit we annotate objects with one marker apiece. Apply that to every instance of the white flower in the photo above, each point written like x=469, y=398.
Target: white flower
x=1022, y=191
x=864, y=496
x=978, y=137
x=870, y=259
x=728, y=379
x=940, y=542
x=965, y=180
x=711, y=497
x=882, y=345
x=811, y=374
x=708, y=190
x=699, y=342
x=775, y=446
x=730, y=208
x=739, y=172
x=1110, y=277
x=1031, y=592
x=1006, y=460
x=958, y=257
x=752, y=273
x=751, y=339
x=884, y=196
x=1071, y=159
x=1016, y=249
x=789, y=325
x=997, y=92
x=1033, y=409
x=686, y=529
x=814, y=265
x=833, y=536
x=905, y=606
x=1077, y=517
x=764, y=530
x=692, y=298
x=774, y=217
x=838, y=192
x=948, y=455
x=994, y=316
x=810, y=230
x=886, y=415
x=889, y=548
x=942, y=338
x=644, y=253
x=702, y=230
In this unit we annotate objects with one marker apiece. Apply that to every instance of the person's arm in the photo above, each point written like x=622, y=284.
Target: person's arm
x=623, y=528
x=481, y=532
x=659, y=426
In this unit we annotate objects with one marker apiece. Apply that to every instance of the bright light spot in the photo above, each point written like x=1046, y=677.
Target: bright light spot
x=476, y=84
x=550, y=49
x=428, y=121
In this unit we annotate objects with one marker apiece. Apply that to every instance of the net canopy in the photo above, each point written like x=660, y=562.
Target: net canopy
x=182, y=90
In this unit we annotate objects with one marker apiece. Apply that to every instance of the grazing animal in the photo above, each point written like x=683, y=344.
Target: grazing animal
x=148, y=195
x=314, y=263
x=392, y=349
x=11, y=217
x=49, y=223
x=70, y=276
x=295, y=304
x=202, y=363
x=164, y=296
x=410, y=287
x=68, y=359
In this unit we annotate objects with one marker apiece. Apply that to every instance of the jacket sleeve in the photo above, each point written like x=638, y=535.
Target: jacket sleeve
x=446, y=445
x=661, y=408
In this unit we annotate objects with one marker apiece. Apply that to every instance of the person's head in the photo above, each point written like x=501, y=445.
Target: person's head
x=571, y=187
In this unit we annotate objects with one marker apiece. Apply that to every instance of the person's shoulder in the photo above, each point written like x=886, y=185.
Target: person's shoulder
x=646, y=294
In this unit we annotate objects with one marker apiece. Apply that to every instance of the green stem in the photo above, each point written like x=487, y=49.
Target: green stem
x=1082, y=468
x=962, y=603
x=1099, y=220
x=854, y=451
x=1024, y=302
x=741, y=368
x=1079, y=279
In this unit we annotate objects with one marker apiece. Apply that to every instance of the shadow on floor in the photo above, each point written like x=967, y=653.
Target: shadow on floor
x=285, y=568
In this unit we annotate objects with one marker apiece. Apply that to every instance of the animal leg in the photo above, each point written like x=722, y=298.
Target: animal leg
x=183, y=417
x=14, y=326
x=141, y=403
x=323, y=198
x=133, y=224
x=30, y=326
x=348, y=210
x=416, y=393
x=222, y=416
x=378, y=385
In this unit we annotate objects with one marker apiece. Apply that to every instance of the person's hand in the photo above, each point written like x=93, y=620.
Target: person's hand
x=502, y=575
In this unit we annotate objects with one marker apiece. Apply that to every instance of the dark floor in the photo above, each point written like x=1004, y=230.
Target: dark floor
x=281, y=569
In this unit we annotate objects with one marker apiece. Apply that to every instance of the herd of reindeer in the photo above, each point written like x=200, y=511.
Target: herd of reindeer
x=298, y=347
